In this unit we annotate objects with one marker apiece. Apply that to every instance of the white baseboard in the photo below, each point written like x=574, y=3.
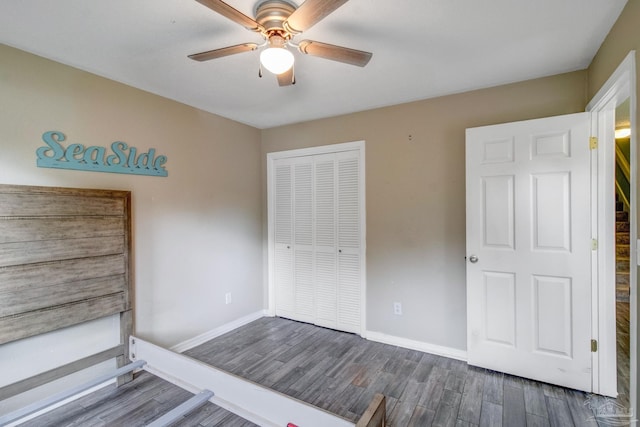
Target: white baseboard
x=216, y=332
x=438, y=350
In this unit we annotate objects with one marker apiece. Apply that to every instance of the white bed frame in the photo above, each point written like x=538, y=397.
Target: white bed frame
x=38, y=234
x=246, y=399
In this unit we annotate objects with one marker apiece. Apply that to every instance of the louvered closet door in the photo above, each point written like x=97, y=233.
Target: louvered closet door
x=283, y=236
x=349, y=210
x=326, y=275
x=303, y=277
x=318, y=259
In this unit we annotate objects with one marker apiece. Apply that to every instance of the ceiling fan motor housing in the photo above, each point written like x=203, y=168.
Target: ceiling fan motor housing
x=271, y=14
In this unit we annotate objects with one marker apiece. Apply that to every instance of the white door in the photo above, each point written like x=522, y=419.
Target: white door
x=293, y=243
x=304, y=301
x=529, y=249
x=282, y=240
x=326, y=245
x=350, y=237
x=337, y=241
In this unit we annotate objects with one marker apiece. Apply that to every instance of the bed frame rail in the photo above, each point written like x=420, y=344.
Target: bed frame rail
x=244, y=398
x=376, y=413
x=65, y=394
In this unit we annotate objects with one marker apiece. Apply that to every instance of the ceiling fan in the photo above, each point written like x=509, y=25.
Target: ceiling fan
x=278, y=21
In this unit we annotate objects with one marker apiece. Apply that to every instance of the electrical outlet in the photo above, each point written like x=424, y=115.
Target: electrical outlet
x=397, y=308
x=227, y=298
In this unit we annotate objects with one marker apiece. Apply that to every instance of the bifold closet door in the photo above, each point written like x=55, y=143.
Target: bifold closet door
x=325, y=227
x=317, y=240
x=349, y=233
x=303, y=245
x=283, y=238
x=294, y=242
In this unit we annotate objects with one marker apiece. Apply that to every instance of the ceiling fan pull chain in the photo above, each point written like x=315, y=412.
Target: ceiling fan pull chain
x=260, y=70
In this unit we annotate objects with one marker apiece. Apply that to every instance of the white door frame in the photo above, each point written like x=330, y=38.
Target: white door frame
x=311, y=151
x=620, y=86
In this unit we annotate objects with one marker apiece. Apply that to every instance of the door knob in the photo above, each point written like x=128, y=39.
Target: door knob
x=473, y=259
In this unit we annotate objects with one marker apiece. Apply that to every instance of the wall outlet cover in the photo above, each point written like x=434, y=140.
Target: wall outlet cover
x=397, y=308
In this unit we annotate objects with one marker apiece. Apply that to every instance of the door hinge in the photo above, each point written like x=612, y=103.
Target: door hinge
x=594, y=244
x=593, y=142
x=594, y=346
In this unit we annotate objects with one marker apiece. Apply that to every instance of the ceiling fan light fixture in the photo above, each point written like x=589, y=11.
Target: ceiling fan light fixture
x=276, y=59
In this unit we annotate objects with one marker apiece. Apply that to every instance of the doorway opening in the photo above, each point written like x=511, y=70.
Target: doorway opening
x=622, y=246
x=615, y=266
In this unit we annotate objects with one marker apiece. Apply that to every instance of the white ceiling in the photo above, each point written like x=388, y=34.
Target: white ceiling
x=421, y=49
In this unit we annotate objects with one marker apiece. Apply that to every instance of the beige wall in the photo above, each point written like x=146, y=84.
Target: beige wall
x=200, y=232
x=623, y=37
x=415, y=195
x=197, y=233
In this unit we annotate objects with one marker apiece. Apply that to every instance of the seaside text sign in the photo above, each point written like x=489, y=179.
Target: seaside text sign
x=119, y=159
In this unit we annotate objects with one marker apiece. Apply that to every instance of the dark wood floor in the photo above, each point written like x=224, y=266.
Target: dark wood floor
x=137, y=403
x=341, y=372
x=622, y=351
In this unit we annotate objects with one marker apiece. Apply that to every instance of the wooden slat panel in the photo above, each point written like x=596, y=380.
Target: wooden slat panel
x=126, y=330
x=49, y=228
x=20, y=204
x=39, y=297
x=38, y=322
x=64, y=191
x=64, y=260
x=16, y=278
x=53, y=250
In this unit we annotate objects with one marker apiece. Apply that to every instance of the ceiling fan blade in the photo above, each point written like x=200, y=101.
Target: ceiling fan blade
x=335, y=53
x=287, y=78
x=310, y=13
x=230, y=12
x=225, y=51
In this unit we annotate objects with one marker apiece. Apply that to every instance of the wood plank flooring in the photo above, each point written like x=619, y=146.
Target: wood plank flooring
x=134, y=404
x=622, y=351
x=341, y=372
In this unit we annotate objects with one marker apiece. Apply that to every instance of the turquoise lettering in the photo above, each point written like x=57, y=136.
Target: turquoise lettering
x=94, y=155
x=73, y=151
x=159, y=162
x=132, y=157
x=120, y=159
x=52, y=139
x=118, y=148
x=145, y=160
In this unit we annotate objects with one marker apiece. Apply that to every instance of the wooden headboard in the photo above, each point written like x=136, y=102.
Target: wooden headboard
x=64, y=260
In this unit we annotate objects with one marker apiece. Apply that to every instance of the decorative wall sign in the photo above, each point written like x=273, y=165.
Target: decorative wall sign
x=120, y=159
